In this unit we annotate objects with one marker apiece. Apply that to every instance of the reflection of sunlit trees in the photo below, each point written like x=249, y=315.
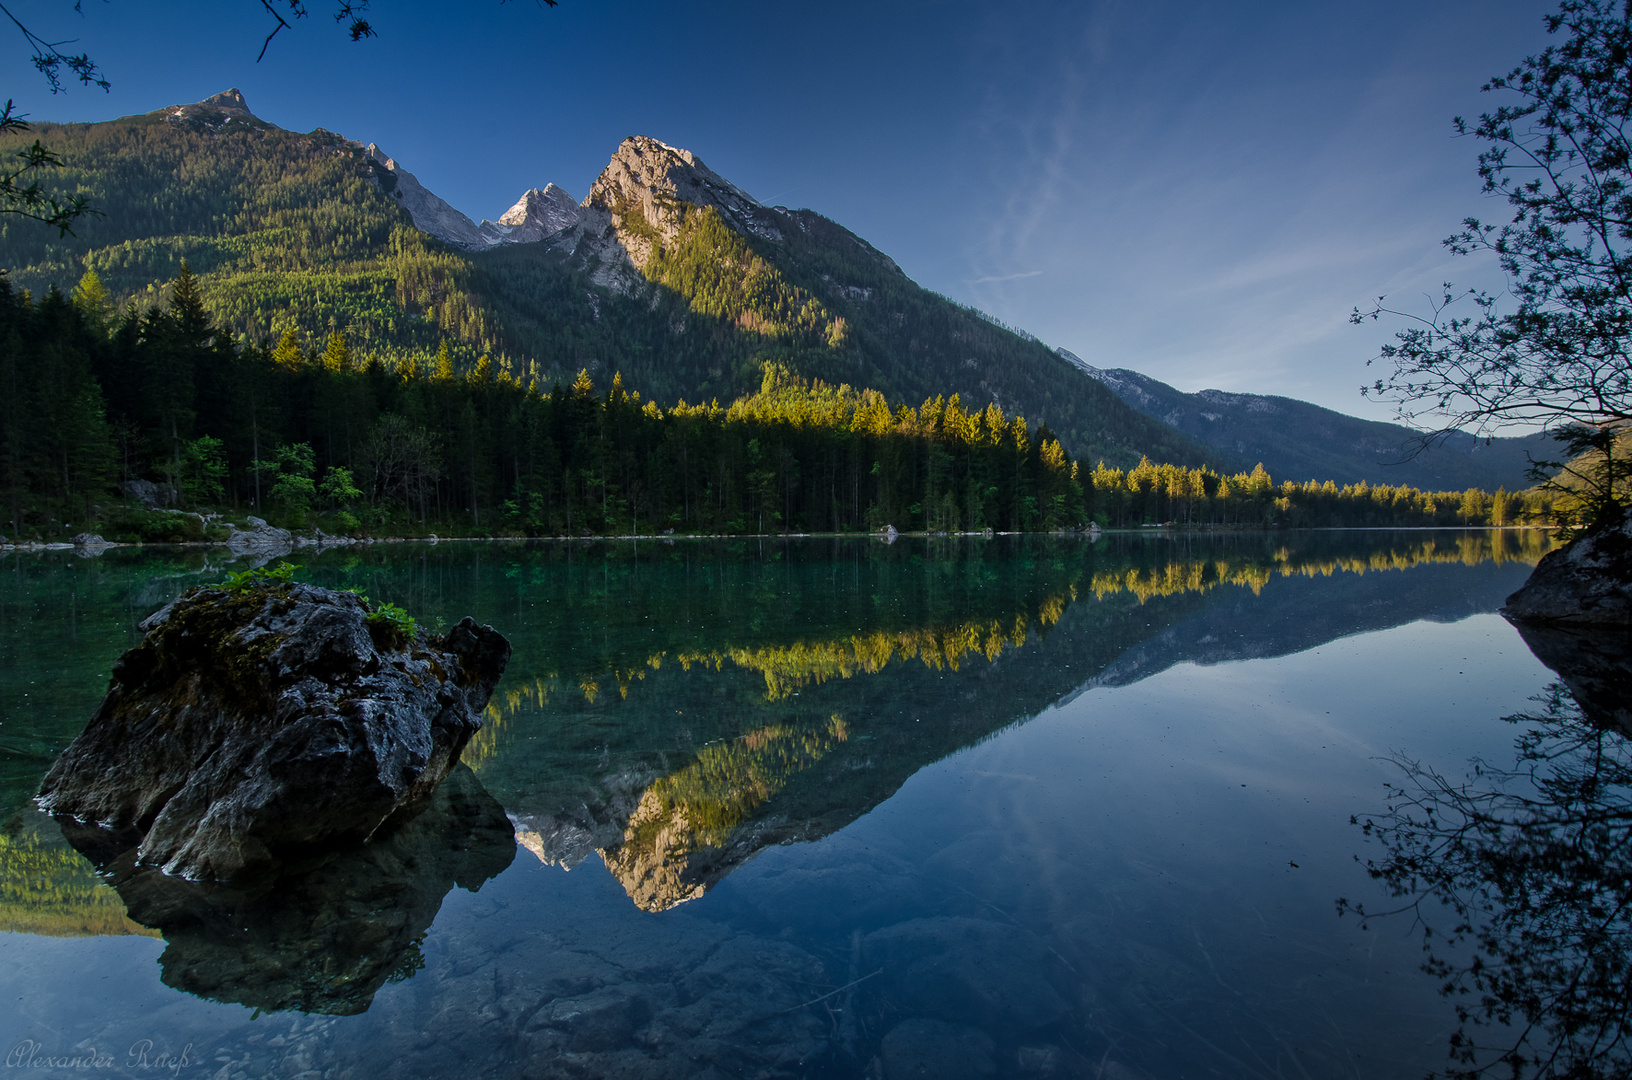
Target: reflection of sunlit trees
x=50, y=890
x=1532, y=867
x=699, y=810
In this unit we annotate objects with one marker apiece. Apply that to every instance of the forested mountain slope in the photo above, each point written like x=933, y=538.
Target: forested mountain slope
x=1296, y=440
x=668, y=274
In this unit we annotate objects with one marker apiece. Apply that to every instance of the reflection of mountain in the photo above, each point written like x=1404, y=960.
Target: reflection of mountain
x=325, y=939
x=694, y=826
x=680, y=777
x=834, y=669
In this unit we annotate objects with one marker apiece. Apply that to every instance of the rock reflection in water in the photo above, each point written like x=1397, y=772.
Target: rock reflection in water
x=323, y=940
x=1521, y=879
x=1595, y=663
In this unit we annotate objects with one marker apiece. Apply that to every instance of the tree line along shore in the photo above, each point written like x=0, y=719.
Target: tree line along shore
x=112, y=420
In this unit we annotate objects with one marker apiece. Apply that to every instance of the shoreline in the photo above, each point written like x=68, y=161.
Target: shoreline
x=329, y=542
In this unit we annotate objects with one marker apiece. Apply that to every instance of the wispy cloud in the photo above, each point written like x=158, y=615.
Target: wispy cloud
x=1005, y=277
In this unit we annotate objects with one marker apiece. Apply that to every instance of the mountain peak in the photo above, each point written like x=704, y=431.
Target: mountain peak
x=430, y=213
x=647, y=176
x=537, y=214
x=227, y=101
x=215, y=113
x=645, y=169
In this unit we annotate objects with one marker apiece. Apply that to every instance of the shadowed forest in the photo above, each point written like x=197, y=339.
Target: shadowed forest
x=97, y=401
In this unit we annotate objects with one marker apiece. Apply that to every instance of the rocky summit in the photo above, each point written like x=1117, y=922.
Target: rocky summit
x=429, y=211
x=540, y=213
x=537, y=214
x=264, y=721
x=647, y=179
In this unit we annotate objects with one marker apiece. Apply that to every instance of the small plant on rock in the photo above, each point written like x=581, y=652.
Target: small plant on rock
x=243, y=581
x=391, y=626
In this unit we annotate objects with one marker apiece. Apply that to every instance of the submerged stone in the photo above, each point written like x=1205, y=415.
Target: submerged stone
x=934, y=1049
x=260, y=724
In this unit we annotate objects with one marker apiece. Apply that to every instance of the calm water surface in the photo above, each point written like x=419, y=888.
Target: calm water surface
x=814, y=808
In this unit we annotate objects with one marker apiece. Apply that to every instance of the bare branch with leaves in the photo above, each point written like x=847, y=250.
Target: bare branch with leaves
x=51, y=61
x=1555, y=348
x=20, y=190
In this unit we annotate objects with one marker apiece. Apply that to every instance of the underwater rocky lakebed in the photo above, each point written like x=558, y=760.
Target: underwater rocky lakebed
x=943, y=807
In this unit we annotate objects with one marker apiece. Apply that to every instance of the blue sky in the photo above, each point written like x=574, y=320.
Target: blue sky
x=1200, y=191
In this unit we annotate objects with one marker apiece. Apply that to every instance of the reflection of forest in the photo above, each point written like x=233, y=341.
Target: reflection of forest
x=788, y=667
x=792, y=752
x=676, y=708
x=49, y=889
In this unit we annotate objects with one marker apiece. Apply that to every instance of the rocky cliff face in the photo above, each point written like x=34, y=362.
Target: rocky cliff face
x=430, y=213
x=632, y=208
x=646, y=179
x=539, y=214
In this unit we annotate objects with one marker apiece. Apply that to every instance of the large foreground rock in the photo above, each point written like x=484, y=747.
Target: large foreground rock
x=257, y=726
x=1588, y=581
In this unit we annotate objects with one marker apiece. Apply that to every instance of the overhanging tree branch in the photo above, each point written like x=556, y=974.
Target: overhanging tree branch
x=49, y=59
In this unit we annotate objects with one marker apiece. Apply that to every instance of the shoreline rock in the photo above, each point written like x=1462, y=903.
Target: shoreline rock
x=1587, y=582
x=259, y=537
x=257, y=724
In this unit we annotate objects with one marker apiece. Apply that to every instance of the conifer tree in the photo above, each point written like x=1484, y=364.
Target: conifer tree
x=287, y=353
x=336, y=353
x=92, y=301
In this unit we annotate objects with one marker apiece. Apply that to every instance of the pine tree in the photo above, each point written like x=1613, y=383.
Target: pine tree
x=287, y=353
x=336, y=354
x=92, y=301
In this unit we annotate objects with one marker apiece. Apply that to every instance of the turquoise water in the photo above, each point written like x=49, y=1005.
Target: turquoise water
x=1020, y=807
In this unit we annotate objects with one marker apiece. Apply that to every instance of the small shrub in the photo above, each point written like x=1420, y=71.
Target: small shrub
x=282, y=574
x=137, y=526
x=391, y=626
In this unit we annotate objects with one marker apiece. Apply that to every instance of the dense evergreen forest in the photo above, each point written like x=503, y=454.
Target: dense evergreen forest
x=293, y=233
x=94, y=399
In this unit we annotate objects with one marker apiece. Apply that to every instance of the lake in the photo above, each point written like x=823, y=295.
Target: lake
x=948, y=807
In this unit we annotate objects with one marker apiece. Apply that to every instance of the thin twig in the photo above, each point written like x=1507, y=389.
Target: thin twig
x=824, y=997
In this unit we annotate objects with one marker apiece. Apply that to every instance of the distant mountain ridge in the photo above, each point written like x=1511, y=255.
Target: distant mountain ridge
x=666, y=273
x=537, y=214
x=1297, y=440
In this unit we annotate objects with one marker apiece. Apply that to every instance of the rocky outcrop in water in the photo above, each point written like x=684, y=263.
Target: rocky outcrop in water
x=1586, y=582
x=259, y=537
x=260, y=722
